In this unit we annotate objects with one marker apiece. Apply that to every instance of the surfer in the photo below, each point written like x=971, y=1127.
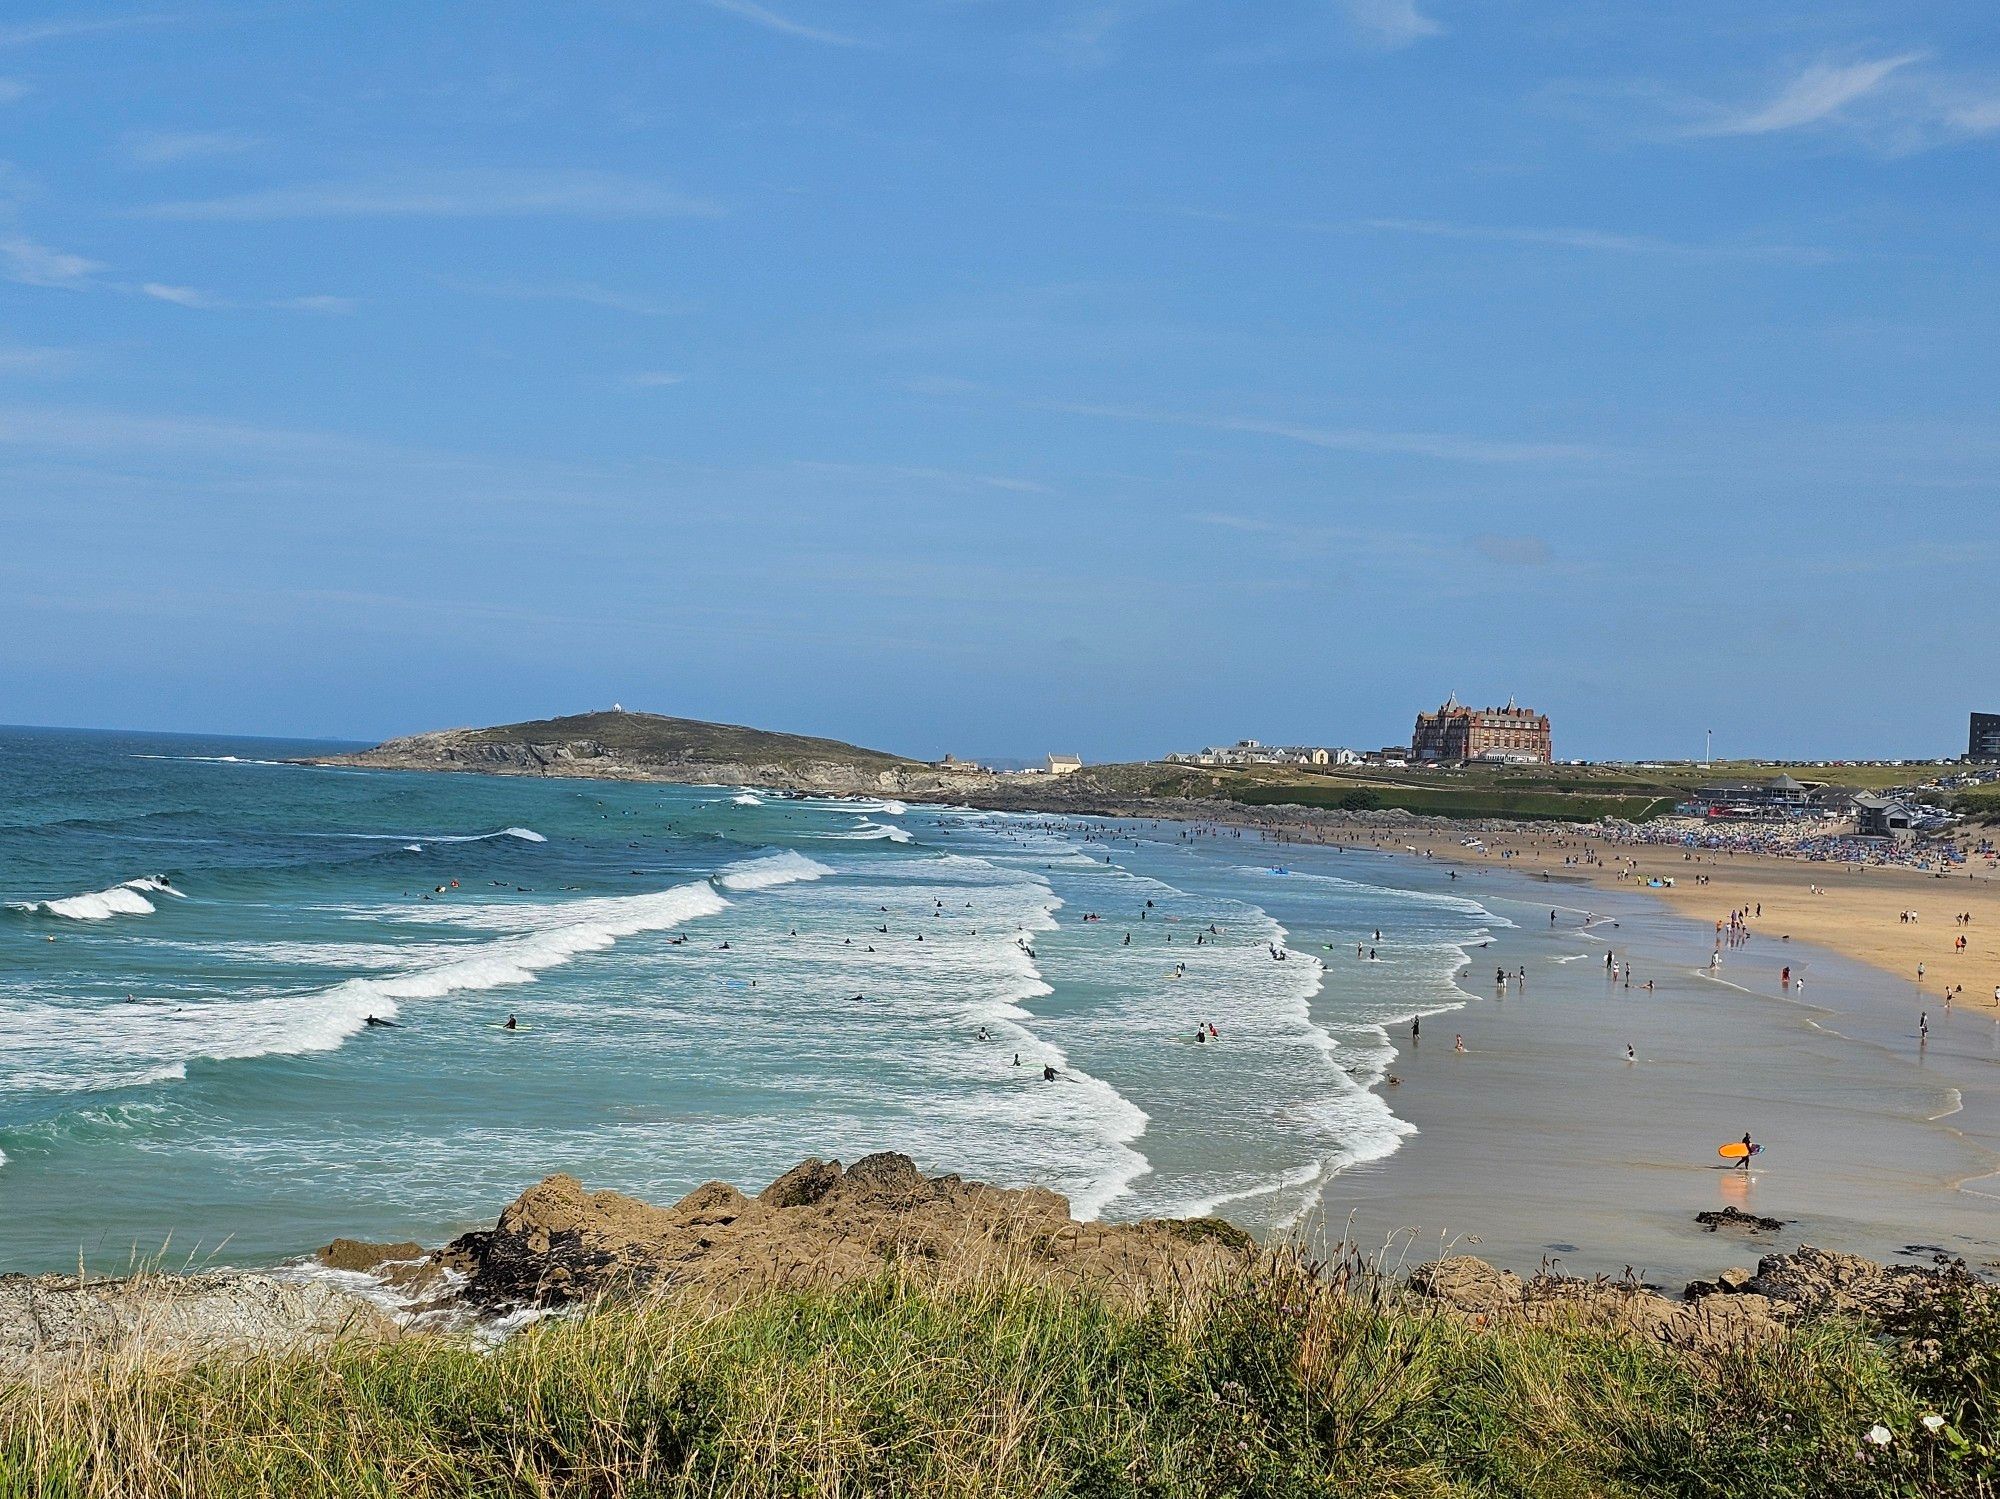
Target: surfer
x=1416, y=1026
x=378, y=1020
x=512, y=1024
x=1749, y=1149
x=1630, y=1054
x=1048, y=1074
x=1458, y=1042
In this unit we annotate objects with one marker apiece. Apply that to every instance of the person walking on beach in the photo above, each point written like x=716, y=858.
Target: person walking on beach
x=1749, y=1149
x=1458, y=1043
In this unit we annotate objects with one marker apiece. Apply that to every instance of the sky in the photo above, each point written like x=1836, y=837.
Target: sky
x=1004, y=376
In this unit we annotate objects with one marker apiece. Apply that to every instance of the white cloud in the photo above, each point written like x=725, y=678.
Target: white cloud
x=770, y=20
x=180, y=296
x=32, y=264
x=1393, y=23
x=1819, y=93
x=162, y=147
x=1975, y=116
x=189, y=296
x=456, y=194
x=1447, y=446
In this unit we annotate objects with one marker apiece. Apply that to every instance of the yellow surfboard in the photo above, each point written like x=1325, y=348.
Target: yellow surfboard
x=1735, y=1150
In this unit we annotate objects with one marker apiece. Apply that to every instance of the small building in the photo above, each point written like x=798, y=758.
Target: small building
x=1884, y=817
x=952, y=764
x=1064, y=765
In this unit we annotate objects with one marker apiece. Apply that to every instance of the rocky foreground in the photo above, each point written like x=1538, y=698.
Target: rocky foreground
x=560, y=1246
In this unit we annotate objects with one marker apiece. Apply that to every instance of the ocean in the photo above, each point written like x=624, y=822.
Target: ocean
x=706, y=982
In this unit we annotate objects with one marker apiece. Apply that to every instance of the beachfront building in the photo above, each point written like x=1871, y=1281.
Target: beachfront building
x=1064, y=765
x=1982, y=742
x=1508, y=736
x=1781, y=796
x=1885, y=817
x=953, y=764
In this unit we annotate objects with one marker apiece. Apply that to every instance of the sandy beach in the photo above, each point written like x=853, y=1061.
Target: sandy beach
x=1854, y=909
x=1541, y=1139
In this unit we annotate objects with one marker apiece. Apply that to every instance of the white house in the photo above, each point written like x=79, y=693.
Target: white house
x=1063, y=765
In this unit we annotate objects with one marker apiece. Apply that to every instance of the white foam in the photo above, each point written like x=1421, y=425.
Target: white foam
x=213, y=759
x=747, y=799
x=134, y=1044
x=525, y=835
x=770, y=871
x=128, y=899
x=867, y=830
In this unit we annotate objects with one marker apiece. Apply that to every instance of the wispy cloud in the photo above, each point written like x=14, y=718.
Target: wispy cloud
x=588, y=293
x=26, y=360
x=1392, y=23
x=1445, y=446
x=28, y=262
x=33, y=264
x=189, y=296
x=770, y=20
x=453, y=194
x=26, y=33
x=12, y=90
x=917, y=474
x=658, y=379
x=164, y=147
x=1819, y=93
x=1084, y=41
x=1601, y=241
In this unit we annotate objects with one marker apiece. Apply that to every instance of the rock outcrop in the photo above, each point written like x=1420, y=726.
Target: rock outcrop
x=52, y=1322
x=818, y=1224
x=1735, y=1307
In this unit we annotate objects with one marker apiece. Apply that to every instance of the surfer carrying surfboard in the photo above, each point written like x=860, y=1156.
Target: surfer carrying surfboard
x=1749, y=1149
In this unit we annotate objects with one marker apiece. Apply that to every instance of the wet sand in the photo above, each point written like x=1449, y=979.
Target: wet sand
x=1541, y=1140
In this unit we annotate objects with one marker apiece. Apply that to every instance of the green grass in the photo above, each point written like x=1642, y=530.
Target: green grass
x=1272, y=1383
x=1579, y=793
x=1445, y=801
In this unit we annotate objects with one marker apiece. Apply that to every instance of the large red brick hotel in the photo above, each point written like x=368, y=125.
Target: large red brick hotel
x=1509, y=734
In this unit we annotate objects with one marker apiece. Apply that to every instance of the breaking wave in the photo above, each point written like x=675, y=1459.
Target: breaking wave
x=128, y=899
x=772, y=870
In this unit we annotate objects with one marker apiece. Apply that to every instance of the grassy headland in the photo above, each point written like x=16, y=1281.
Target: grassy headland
x=1563, y=793
x=1272, y=1381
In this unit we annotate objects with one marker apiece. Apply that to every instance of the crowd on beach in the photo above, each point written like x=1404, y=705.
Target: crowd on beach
x=1816, y=840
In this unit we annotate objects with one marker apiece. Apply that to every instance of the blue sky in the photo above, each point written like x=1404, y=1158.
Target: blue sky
x=996, y=376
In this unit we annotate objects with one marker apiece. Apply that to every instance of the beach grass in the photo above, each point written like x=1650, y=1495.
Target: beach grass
x=1273, y=1381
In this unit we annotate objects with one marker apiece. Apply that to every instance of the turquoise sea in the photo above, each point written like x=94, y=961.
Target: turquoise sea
x=708, y=982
